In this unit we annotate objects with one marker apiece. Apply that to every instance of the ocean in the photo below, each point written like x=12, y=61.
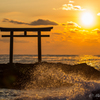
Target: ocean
x=78, y=87
x=92, y=60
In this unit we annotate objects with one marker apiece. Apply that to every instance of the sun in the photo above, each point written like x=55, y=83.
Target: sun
x=87, y=19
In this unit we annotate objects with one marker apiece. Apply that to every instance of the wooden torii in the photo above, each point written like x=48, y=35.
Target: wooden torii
x=12, y=30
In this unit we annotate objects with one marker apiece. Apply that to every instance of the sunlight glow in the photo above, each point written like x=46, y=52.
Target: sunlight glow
x=87, y=19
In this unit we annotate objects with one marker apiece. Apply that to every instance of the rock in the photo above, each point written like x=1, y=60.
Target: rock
x=96, y=95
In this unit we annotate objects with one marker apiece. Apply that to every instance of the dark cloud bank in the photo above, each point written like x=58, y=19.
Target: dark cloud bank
x=34, y=23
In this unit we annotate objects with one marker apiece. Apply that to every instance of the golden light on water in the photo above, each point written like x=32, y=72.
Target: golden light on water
x=90, y=60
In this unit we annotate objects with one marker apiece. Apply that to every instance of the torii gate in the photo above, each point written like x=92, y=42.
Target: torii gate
x=12, y=30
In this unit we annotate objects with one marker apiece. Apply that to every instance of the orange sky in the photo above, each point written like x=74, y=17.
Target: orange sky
x=69, y=34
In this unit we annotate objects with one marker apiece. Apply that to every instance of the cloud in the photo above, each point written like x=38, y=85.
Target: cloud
x=71, y=1
x=71, y=25
x=13, y=21
x=15, y=40
x=70, y=6
x=74, y=30
x=91, y=40
x=43, y=22
x=96, y=30
x=57, y=33
x=98, y=14
x=4, y=40
x=34, y=23
x=47, y=41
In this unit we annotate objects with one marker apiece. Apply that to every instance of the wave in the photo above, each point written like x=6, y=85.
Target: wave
x=47, y=75
x=53, y=81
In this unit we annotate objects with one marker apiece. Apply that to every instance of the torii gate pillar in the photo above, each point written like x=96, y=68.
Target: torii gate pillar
x=39, y=46
x=11, y=48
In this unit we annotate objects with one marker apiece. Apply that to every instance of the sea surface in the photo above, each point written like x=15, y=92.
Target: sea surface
x=80, y=90
x=93, y=60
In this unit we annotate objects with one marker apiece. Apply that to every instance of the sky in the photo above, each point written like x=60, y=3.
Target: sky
x=76, y=26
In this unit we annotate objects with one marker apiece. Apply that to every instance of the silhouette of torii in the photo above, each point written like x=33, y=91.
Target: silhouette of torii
x=12, y=30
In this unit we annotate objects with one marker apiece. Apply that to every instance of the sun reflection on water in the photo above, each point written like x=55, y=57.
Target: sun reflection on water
x=90, y=60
